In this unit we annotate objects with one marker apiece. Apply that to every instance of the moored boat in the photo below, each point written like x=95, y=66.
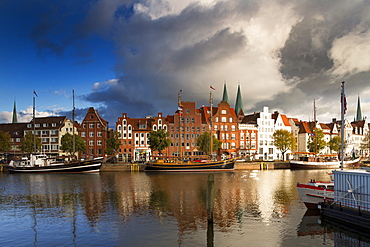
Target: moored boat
x=40, y=163
x=191, y=166
x=322, y=164
x=315, y=192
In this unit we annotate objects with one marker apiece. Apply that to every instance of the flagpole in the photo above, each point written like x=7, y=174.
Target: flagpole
x=342, y=126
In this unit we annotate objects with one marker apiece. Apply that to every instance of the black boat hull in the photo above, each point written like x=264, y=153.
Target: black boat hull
x=74, y=167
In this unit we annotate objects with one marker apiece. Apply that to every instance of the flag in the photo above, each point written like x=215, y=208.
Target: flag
x=343, y=96
x=35, y=93
x=344, y=104
x=212, y=87
x=179, y=107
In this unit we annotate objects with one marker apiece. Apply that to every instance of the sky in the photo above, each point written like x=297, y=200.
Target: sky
x=128, y=56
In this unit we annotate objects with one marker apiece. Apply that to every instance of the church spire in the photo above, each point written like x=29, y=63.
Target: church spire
x=225, y=96
x=239, y=102
x=15, y=119
x=359, y=113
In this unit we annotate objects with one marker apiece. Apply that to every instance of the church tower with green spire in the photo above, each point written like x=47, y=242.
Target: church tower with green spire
x=359, y=113
x=239, y=103
x=15, y=119
x=225, y=96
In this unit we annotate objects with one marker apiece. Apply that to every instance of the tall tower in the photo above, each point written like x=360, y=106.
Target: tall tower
x=359, y=113
x=225, y=96
x=239, y=102
x=15, y=119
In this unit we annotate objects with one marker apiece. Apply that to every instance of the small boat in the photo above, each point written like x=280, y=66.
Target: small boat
x=40, y=163
x=178, y=165
x=317, y=163
x=315, y=192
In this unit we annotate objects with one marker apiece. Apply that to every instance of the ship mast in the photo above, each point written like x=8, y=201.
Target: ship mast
x=314, y=128
x=180, y=116
x=210, y=124
x=73, y=122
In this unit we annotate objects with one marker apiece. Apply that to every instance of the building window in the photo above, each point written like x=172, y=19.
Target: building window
x=44, y=132
x=91, y=143
x=53, y=124
x=91, y=126
x=91, y=134
x=44, y=125
x=223, y=119
x=99, y=134
x=100, y=142
x=223, y=112
x=83, y=134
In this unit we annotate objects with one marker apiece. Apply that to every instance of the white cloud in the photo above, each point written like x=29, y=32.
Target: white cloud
x=351, y=53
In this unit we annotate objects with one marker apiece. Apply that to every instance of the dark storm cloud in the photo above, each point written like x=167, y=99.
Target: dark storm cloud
x=283, y=53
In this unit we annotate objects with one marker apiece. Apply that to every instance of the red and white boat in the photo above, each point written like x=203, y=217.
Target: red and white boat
x=315, y=192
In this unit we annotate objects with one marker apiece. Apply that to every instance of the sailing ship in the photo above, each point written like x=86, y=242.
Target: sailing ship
x=181, y=164
x=40, y=163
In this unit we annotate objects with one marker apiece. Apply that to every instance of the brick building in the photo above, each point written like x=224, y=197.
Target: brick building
x=134, y=133
x=94, y=131
x=189, y=124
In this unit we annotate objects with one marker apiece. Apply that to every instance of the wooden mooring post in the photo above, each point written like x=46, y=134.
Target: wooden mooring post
x=210, y=205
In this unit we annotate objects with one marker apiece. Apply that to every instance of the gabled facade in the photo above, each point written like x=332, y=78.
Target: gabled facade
x=134, y=136
x=94, y=131
x=225, y=129
x=185, y=127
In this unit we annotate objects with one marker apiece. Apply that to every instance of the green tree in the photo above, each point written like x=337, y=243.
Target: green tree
x=284, y=141
x=158, y=140
x=317, y=139
x=203, y=142
x=67, y=144
x=28, y=144
x=113, y=143
x=5, y=141
x=335, y=143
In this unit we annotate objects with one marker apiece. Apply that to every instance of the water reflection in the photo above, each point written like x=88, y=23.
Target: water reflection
x=114, y=208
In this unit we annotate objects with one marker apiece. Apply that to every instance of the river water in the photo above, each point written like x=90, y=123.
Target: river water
x=251, y=208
